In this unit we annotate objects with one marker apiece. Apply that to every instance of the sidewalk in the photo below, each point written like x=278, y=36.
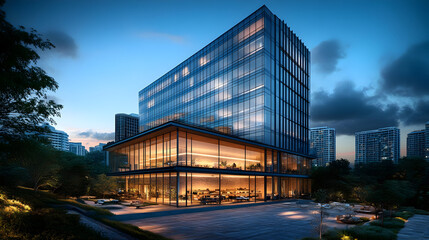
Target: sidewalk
x=104, y=230
x=415, y=228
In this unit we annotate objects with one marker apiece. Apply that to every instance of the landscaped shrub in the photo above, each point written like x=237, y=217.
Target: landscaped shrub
x=403, y=214
x=422, y=212
x=371, y=233
x=360, y=232
x=389, y=223
x=43, y=224
x=334, y=234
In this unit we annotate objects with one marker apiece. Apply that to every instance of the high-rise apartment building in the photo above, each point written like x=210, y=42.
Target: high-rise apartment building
x=229, y=124
x=77, y=148
x=58, y=139
x=126, y=125
x=97, y=148
x=416, y=143
x=323, y=145
x=427, y=141
x=377, y=145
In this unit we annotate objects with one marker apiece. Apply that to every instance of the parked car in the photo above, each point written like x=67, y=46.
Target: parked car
x=101, y=201
x=107, y=201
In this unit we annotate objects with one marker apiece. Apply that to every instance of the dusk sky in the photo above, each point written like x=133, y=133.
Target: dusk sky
x=370, y=59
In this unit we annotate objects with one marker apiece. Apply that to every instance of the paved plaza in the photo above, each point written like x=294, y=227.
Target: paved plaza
x=417, y=227
x=283, y=220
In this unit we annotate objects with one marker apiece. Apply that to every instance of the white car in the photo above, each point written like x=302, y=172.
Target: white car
x=101, y=201
x=107, y=201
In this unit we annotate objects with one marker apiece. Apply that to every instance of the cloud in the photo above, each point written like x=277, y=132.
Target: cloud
x=350, y=110
x=326, y=55
x=162, y=36
x=64, y=43
x=97, y=135
x=416, y=114
x=408, y=75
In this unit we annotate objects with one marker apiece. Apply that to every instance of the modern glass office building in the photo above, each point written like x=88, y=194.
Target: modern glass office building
x=251, y=82
x=229, y=124
x=185, y=165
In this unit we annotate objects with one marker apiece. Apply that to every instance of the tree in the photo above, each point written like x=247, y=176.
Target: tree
x=24, y=86
x=340, y=167
x=416, y=171
x=103, y=185
x=334, y=179
x=321, y=197
x=39, y=160
x=389, y=194
x=96, y=163
x=74, y=180
x=73, y=175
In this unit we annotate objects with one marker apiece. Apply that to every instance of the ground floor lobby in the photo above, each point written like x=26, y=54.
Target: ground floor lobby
x=193, y=188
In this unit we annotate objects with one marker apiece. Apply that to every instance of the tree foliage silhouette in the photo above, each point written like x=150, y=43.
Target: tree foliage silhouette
x=24, y=87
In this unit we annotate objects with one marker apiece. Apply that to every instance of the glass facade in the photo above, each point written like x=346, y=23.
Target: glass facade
x=190, y=149
x=170, y=165
x=227, y=125
x=187, y=188
x=251, y=82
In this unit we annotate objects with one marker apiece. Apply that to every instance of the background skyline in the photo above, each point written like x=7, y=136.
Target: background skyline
x=370, y=59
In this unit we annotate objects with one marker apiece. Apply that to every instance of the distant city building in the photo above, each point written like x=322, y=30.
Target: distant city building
x=377, y=145
x=58, y=139
x=97, y=148
x=126, y=125
x=77, y=148
x=427, y=141
x=322, y=145
x=416, y=144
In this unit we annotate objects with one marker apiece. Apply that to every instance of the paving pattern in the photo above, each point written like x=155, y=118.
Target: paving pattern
x=417, y=227
x=273, y=221
x=105, y=231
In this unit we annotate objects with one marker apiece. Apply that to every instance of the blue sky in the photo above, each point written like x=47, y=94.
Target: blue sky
x=109, y=50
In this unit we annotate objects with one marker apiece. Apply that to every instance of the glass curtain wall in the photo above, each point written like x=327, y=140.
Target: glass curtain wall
x=205, y=189
x=206, y=152
x=194, y=150
x=220, y=87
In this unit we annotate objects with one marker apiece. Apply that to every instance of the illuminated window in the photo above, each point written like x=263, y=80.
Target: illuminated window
x=203, y=61
x=151, y=103
x=251, y=30
x=185, y=71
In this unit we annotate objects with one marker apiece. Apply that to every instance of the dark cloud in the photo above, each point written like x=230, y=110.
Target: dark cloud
x=64, y=43
x=350, y=110
x=418, y=113
x=325, y=56
x=409, y=74
x=97, y=135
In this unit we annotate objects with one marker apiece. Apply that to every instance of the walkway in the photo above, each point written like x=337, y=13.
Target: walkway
x=104, y=230
x=417, y=227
